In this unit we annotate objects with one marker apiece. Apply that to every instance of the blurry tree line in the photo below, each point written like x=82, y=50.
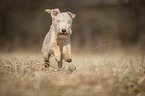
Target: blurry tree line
x=24, y=24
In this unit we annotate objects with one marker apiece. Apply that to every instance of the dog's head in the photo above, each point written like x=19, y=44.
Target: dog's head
x=62, y=22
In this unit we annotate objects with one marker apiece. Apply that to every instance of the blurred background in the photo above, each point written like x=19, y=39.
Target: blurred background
x=24, y=24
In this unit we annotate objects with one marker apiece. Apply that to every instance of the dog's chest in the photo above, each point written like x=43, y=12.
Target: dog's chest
x=60, y=42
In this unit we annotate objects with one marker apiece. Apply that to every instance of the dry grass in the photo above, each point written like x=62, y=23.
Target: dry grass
x=23, y=74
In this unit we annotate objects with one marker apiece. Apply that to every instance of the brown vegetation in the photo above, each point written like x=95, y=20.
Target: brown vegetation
x=95, y=75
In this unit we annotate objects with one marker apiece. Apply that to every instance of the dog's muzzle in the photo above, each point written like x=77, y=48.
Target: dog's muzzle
x=63, y=34
x=63, y=30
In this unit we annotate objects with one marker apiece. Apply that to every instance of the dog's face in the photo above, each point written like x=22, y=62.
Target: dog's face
x=62, y=22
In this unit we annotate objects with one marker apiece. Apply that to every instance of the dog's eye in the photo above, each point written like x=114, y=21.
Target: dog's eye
x=58, y=20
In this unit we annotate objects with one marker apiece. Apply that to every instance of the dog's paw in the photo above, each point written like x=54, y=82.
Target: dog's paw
x=46, y=65
x=68, y=60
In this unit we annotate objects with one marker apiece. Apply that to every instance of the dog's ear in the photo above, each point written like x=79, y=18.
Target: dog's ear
x=53, y=12
x=48, y=10
x=72, y=15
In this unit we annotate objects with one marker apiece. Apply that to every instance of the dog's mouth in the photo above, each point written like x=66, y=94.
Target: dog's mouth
x=63, y=35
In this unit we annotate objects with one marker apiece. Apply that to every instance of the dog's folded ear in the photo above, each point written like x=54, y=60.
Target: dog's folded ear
x=48, y=10
x=53, y=12
x=72, y=15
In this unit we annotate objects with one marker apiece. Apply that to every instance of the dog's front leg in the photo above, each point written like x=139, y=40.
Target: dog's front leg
x=67, y=53
x=57, y=54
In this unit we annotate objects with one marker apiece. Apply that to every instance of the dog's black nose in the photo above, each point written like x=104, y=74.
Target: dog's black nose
x=63, y=30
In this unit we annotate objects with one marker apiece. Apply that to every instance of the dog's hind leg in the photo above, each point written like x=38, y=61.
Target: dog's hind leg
x=60, y=62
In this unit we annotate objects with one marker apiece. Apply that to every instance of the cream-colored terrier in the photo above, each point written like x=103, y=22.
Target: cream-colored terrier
x=57, y=40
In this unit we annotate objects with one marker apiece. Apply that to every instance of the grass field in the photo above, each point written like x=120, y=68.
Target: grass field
x=23, y=74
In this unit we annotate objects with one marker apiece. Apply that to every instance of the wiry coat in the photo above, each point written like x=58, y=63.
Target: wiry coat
x=57, y=40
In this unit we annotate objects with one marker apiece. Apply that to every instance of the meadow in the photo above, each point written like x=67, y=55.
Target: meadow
x=115, y=74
